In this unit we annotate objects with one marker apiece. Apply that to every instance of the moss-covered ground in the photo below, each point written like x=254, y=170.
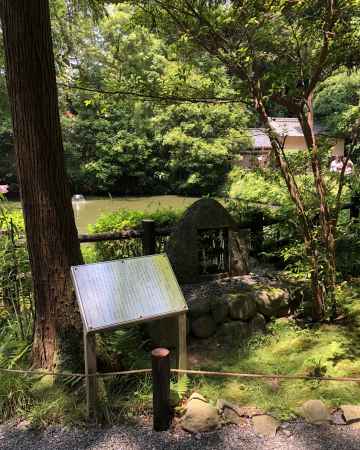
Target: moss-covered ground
x=288, y=348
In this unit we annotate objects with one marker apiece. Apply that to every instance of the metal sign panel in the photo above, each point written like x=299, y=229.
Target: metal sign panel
x=130, y=290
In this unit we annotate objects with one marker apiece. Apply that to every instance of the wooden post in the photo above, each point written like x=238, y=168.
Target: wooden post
x=182, y=347
x=90, y=369
x=161, y=388
x=354, y=210
x=148, y=240
x=257, y=232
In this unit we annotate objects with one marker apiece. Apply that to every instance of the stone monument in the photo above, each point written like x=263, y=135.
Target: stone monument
x=207, y=241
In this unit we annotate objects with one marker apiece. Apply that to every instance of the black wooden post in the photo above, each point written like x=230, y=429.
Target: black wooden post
x=354, y=208
x=161, y=388
x=257, y=232
x=148, y=240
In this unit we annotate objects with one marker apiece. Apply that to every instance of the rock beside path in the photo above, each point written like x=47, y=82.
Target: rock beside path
x=265, y=425
x=257, y=324
x=200, y=416
x=233, y=332
x=315, y=412
x=230, y=412
x=351, y=413
x=241, y=411
x=303, y=436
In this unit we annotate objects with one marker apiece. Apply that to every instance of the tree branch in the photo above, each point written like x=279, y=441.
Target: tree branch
x=165, y=98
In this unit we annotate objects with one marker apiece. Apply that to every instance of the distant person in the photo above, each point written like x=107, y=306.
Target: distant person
x=336, y=164
x=349, y=167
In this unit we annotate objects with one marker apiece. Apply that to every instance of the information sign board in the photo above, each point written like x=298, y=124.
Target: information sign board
x=116, y=293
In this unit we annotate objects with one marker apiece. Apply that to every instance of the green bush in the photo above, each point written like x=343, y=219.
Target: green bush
x=129, y=220
x=15, y=395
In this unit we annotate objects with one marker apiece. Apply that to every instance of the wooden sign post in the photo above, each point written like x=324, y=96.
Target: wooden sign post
x=90, y=372
x=123, y=292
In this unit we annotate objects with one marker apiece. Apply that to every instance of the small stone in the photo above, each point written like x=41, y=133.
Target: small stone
x=199, y=307
x=24, y=425
x=234, y=332
x=314, y=411
x=231, y=416
x=230, y=412
x=272, y=302
x=200, y=416
x=242, y=306
x=258, y=324
x=203, y=327
x=265, y=425
x=219, y=310
x=241, y=411
x=351, y=413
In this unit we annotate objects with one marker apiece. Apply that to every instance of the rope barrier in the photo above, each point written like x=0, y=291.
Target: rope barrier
x=43, y=373
x=188, y=372
x=79, y=375
x=264, y=376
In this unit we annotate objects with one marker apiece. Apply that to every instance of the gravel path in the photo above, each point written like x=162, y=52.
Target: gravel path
x=299, y=436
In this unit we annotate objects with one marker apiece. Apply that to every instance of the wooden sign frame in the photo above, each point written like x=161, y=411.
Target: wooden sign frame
x=165, y=280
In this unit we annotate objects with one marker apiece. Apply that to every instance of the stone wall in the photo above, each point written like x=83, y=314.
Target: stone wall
x=237, y=314
x=231, y=310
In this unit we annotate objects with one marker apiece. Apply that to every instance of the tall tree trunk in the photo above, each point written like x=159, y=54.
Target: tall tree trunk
x=50, y=227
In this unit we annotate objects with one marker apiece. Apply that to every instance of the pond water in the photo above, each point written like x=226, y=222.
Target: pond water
x=88, y=211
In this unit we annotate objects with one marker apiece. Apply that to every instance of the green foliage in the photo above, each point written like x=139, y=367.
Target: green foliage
x=348, y=249
x=199, y=141
x=265, y=188
x=122, y=221
x=54, y=405
x=288, y=349
x=124, y=145
x=15, y=395
x=16, y=314
x=337, y=102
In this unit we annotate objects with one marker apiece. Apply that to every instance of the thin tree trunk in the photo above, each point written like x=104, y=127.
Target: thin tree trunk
x=318, y=309
x=327, y=225
x=49, y=219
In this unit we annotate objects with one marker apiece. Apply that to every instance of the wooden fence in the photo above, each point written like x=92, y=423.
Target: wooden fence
x=149, y=232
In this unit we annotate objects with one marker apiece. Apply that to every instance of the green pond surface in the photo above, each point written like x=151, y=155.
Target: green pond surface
x=88, y=211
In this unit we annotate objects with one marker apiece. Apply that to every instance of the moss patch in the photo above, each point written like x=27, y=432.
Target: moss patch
x=288, y=349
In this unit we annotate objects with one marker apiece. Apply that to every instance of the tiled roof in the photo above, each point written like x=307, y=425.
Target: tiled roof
x=285, y=126
x=282, y=126
x=260, y=138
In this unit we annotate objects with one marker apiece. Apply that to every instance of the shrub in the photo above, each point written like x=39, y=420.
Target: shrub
x=125, y=220
x=15, y=396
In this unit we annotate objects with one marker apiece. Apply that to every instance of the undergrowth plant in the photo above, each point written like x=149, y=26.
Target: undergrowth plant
x=124, y=220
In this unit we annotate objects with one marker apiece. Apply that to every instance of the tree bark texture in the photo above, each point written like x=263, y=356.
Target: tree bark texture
x=49, y=219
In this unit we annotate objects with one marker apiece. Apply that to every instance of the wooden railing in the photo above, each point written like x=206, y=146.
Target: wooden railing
x=149, y=232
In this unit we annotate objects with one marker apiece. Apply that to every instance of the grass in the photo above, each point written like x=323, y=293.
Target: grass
x=287, y=348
